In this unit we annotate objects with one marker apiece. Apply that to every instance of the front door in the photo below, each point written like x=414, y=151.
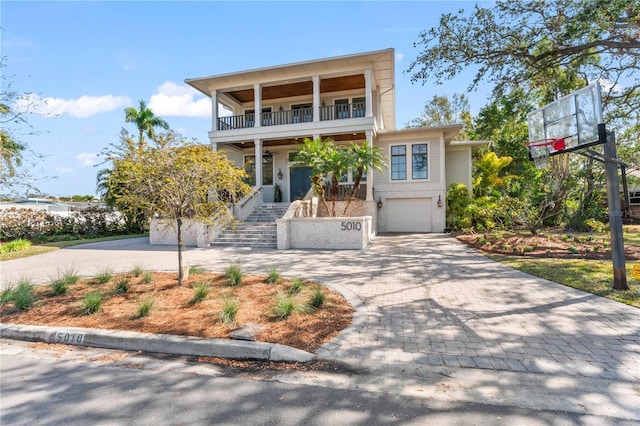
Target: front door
x=299, y=182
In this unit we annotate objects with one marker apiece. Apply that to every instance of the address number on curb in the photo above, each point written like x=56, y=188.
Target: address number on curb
x=70, y=338
x=351, y=226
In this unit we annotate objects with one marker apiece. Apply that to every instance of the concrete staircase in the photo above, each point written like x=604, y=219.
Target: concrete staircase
x=259, y=230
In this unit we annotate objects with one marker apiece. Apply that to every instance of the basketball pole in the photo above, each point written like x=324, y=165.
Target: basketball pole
x=615, y=213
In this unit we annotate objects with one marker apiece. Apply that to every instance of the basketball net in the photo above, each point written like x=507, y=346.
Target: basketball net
x=541, y=149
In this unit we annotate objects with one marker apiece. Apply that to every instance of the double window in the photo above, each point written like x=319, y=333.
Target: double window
x=419, y=161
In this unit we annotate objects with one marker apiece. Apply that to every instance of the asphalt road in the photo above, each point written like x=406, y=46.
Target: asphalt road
x=79, y=386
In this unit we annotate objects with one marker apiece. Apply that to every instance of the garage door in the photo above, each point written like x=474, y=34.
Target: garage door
x=408, y=214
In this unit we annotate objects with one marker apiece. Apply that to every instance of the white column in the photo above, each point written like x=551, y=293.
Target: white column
x=368, y=93
x=214, y=110
x=316, y=136
x=369, y=136
x=316, y=98
x=258, y=154
x=257, y=96
x=214, y=146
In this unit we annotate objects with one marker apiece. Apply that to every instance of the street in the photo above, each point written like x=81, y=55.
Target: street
x=54, y=384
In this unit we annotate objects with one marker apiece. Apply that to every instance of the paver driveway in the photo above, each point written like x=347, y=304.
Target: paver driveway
x=427, y=300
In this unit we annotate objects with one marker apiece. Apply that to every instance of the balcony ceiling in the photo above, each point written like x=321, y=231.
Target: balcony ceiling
x=302, y=88
x=266, y=144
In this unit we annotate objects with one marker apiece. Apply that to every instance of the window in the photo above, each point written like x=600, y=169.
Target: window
x=358, y=107
x=342, y=108
x=634, y=198
x=267, y=169
x=398, y=162
x=250, y=115
x=302, y=113
x=419, y=158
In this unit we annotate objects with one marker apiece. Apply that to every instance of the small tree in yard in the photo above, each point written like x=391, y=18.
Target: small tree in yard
x=179, y=183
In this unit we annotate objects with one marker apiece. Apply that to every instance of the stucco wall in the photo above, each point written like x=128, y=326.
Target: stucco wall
x=164, y=232
x=458, y=167
x=352, y=233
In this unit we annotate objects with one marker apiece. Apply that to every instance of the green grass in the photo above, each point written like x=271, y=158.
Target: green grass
x=317, y=297
x=104, y=276
x=233, y=274
x=196, y=270
x=23, y=296
x=47, y=247
x=592, y=276
x=147, y=277
x=137, y=271
x=60, y=285
x=297, y=285
x=272, y=276
x=121, y=285
x=230, y=306
x=201, y=291
x=15, y=246
x=144, y=307
x=286, y=305
x=92, y=303
x=6, y=295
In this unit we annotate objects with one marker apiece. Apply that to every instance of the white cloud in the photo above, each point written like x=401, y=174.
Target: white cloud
x=84, y=106
x=174, y=100
x=86, y=159
x=399, y=57
x=64, y=170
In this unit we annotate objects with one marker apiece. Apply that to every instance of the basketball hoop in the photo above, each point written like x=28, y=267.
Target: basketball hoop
x=540, y=150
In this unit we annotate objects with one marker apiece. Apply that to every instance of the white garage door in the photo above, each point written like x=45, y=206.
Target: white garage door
x=409, y=214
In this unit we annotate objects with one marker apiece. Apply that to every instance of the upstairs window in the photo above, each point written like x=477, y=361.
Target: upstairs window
x=419, y=161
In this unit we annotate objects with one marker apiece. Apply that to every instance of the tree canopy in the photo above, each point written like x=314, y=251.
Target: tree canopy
x=525, y=43
x=145, y=120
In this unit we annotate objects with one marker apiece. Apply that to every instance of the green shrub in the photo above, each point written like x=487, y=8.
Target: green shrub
x=230, y=306
x=272, y=276
x=92, y=303
x=573, y=250
x=23, y=296
x=59, y=287
x=104, y=276
x=6, y=295
x=233, y=274
x=201, y=289
x=297, y=285
x=144, y=307
x=121, y=286
x=147, y=277
x=137, y=271
x=286, y=305
x=317, y=297
x=196, y=270
x=15, y=245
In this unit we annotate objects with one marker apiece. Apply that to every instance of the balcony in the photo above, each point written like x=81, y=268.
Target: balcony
x=293, y=116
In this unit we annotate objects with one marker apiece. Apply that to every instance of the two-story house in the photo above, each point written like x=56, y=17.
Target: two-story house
x=268, y=111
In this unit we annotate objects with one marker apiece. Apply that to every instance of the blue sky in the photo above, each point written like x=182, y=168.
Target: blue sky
x=90, y=60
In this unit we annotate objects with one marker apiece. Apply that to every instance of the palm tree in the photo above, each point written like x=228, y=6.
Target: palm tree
x=363, y=158
x=10, y=153
x=311, y=154
x=145, y=120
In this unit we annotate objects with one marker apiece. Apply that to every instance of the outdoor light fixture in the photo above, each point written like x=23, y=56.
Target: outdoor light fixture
x=279, y=174
x=379, y=202
x=439, y=201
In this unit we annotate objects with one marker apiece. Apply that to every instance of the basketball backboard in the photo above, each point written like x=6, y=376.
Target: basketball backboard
x=573, y=118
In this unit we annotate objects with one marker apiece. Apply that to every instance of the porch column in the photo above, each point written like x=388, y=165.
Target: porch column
x=316, y=98
x=368, y=98
x=369, y=136
x=214, y=146
x=258, y=154
x=214, y=110
x=257, y=96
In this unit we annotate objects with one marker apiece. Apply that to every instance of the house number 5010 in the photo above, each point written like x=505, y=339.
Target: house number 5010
x=351, y=226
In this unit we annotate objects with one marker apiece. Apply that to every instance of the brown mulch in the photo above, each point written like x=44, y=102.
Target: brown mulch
x=565, y=246
x=173, y=311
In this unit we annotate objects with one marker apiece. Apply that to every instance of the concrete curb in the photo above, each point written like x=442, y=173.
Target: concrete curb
x=161, y=343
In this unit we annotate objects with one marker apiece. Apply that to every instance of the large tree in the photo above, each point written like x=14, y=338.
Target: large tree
x=443, y=110
x=145, y=120
x=523, y=43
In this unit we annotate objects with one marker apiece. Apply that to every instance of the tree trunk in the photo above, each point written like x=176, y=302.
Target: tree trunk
x=179, y=232
x=356, y=184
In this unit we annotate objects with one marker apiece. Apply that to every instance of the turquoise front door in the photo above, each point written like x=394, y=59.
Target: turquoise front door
x=299, y=182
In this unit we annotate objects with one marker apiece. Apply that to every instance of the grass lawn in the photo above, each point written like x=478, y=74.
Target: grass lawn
x=47, y=247
x=592, y=276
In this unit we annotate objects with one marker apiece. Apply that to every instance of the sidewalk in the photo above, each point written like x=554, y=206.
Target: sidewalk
x=426, y=301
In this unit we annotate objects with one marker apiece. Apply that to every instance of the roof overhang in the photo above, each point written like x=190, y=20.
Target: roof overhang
x=381, y=62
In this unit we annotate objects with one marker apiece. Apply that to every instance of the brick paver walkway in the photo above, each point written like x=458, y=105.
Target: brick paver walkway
x=427, y=300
